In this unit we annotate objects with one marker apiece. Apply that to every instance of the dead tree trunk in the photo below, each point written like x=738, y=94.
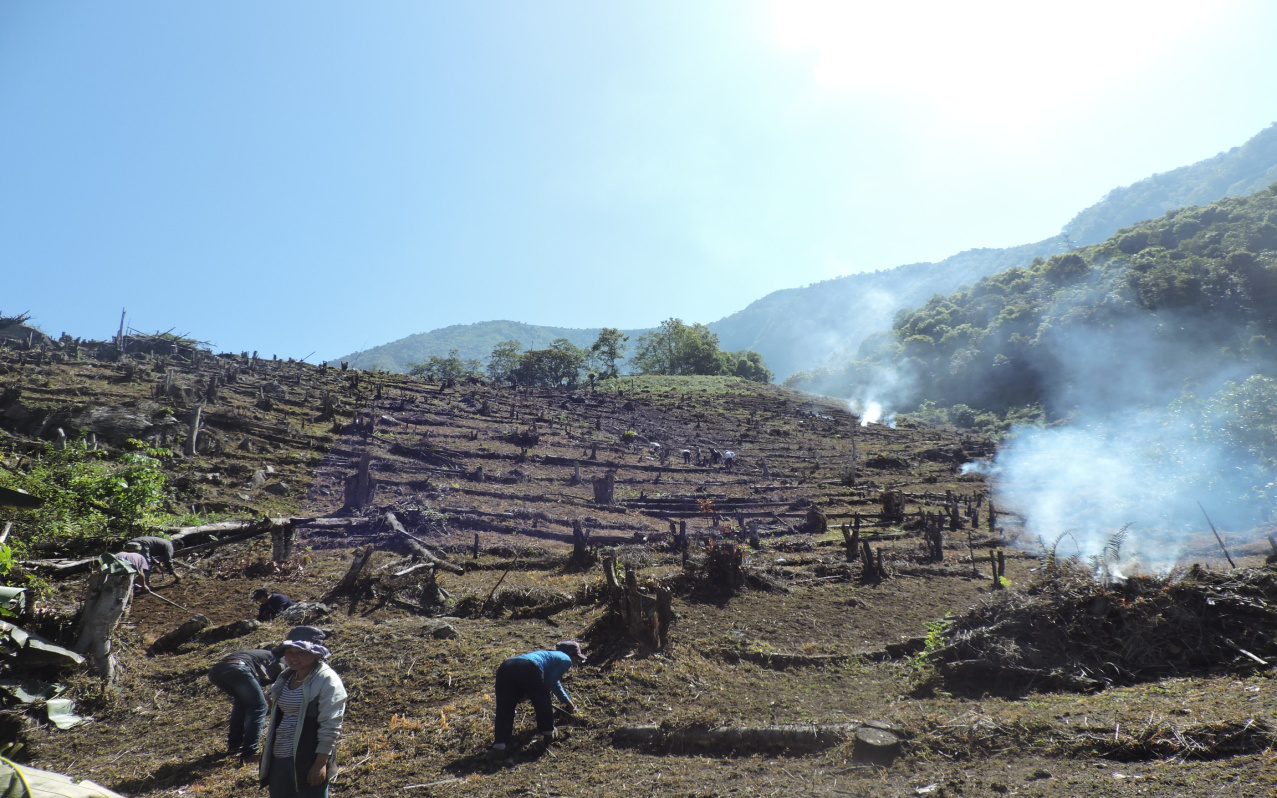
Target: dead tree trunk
x=893, y=506
x=357, y=564
x=604, y=488
x=105, y=603
x=360, y=486
x=580, y=550
x=282, y=538
x=852, y=541
x=193, y=433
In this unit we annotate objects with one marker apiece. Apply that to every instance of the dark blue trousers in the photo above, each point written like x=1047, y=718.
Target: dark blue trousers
x=248, y=706
x=518, y=679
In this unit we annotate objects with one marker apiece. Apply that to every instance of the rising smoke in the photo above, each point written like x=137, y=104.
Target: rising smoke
x=1135, y=447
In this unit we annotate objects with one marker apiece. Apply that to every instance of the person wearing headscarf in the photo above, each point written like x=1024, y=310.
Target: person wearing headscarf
x=535, y=676
x=133, y=555
x=242, y=675
x=307, y=704
x=158, y=550
x=270, y=604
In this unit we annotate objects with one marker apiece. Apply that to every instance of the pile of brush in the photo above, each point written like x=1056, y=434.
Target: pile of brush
x=1069, y=631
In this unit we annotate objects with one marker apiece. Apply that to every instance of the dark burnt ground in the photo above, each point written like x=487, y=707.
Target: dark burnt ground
x=420, y=712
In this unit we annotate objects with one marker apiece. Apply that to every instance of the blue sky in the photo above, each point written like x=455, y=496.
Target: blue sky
x=319, y=177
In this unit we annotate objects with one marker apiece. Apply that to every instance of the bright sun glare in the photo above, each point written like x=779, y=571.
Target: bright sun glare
x=987, y=64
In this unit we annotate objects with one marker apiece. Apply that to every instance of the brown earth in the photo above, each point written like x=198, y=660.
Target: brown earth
x=420, y=710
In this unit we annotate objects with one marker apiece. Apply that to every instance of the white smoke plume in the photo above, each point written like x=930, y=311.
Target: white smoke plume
x=1125, y=456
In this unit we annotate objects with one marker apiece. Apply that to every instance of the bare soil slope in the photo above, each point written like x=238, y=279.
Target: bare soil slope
x=810, y=641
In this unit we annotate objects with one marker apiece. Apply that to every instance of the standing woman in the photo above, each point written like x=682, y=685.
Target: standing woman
x=307, y=702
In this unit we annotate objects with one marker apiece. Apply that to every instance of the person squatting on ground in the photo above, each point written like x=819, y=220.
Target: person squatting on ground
x=307, y=703
x=535, y=676
x=270, y=604
x=157, y=550
x=242, y=675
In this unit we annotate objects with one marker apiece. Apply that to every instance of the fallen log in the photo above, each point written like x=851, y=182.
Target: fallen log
x=172, y=640
x=419, y=546
x=879, y=742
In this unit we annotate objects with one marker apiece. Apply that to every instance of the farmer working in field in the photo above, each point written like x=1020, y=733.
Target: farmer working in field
x=535, y=676
x=270, y=604
x=133, y=555
x=157, y=550
x=242, y=675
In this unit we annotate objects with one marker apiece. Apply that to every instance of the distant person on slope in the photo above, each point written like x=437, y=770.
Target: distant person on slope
x=535, y=676
x=158, y=550
x=270, y=604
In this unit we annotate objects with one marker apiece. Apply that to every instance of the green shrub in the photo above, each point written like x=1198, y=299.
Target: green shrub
x=91, y=499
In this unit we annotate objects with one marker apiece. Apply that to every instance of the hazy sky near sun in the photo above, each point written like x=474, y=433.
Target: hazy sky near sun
x=321, y=177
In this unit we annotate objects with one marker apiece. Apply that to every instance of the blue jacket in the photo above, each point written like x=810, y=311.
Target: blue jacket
x=553, y=665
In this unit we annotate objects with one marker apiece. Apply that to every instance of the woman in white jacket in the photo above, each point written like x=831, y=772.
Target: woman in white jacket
x=307, y=703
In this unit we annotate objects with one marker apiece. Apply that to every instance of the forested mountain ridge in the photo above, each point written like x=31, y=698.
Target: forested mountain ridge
x=817, y=326
x=1240, y=171
x=822, y=325
x=471, y=342
x=1171, y=305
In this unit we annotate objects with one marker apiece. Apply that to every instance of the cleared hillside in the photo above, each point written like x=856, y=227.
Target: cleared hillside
x=808, y=638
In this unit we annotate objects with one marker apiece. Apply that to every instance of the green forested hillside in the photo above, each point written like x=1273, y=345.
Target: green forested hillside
x=471, y=341
x=1240, y=171
x=822, y=325
x=1174, y=303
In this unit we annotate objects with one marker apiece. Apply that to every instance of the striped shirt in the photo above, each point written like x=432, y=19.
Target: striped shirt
x=290, y=706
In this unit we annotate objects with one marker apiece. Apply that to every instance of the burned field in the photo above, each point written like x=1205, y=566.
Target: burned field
x=789, y=662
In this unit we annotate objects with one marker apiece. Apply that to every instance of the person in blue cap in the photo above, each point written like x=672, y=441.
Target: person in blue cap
x=536, y=676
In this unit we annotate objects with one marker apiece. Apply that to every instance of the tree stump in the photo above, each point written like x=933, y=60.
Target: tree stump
x=360, y=486
x=851, y=541
x=580, y=551
x=282, y=539
x=893, y=506
x=106, y=600
x=604, y=488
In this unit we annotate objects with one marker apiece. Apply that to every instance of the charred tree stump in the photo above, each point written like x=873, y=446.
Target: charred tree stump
x=172, y=640
x=282, y=539
x=871, y=569
x=105, y=602
x=893, y=506
x=581, y=555
x=664, y=617
x=432, y=595
x=360, y=486
x=604, y=488
x=814, y=524
x=327, y=407
x=609, y=574
x=851, y=540
x=934, y=537
x=357, y=564
x=576, y=475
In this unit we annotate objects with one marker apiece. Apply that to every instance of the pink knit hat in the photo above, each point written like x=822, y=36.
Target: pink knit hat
x=572, y=649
